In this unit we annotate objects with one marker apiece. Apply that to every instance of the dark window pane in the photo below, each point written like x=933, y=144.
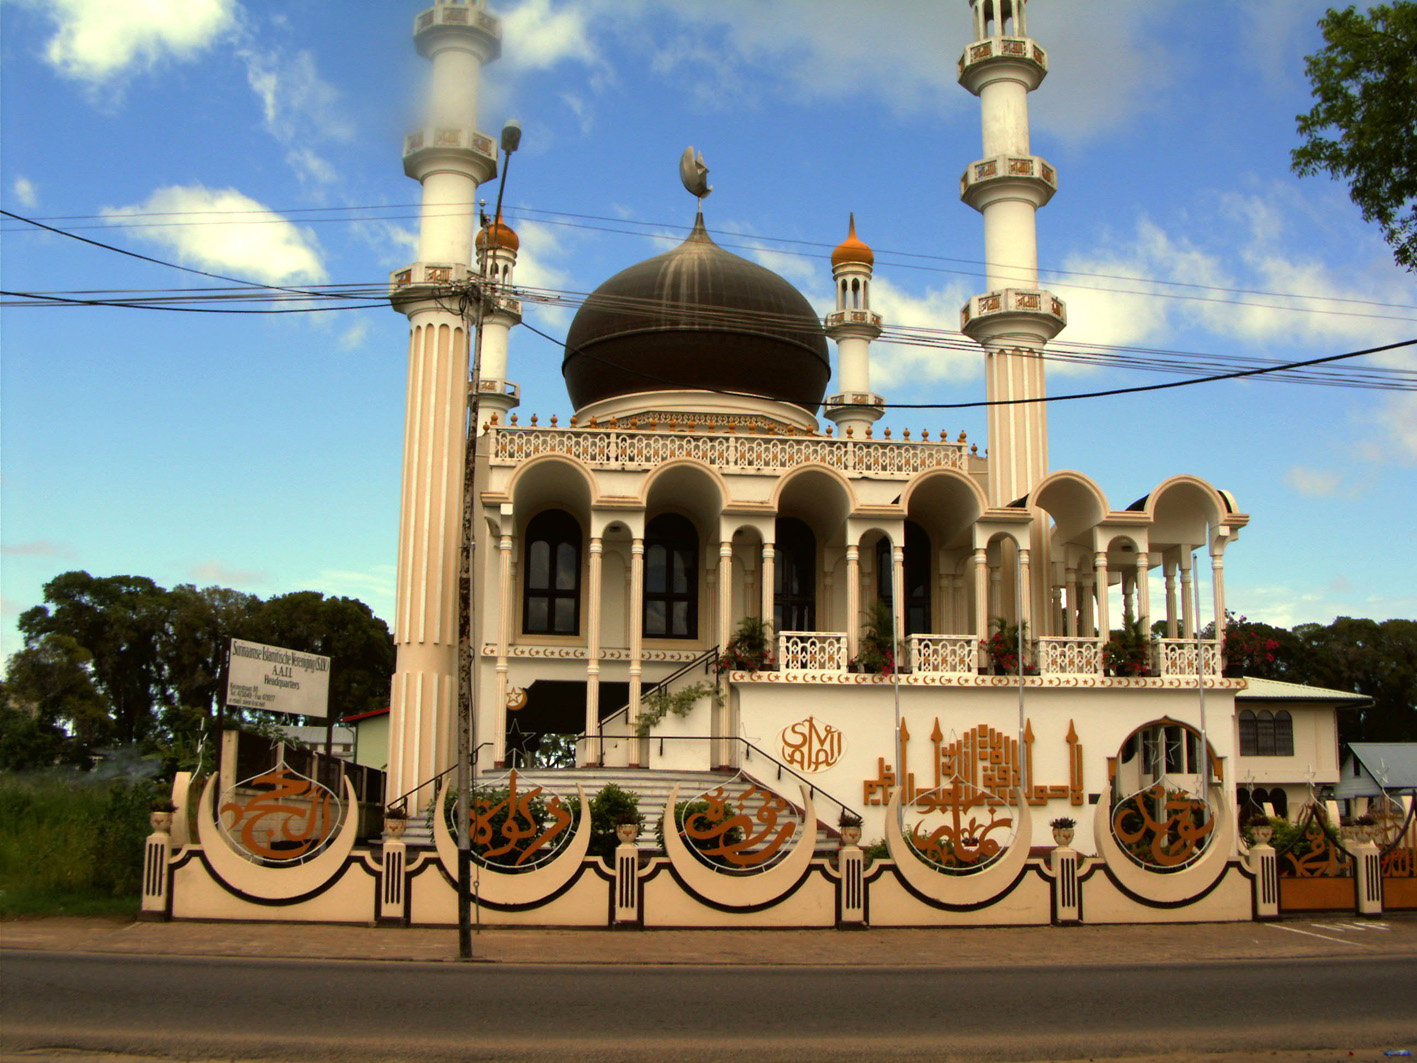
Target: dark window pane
x=565, y=616
x=538, y=571
x=1283, y=734
x=536, y=614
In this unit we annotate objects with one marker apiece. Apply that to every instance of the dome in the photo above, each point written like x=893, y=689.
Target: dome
x=697, y=318
x=853, y=250
x=503, y=235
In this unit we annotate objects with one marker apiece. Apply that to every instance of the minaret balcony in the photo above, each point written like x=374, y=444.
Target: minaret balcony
x=1013, y=310
x=463, y=151
x=1008, y=177
x=855, y=401
x=462, y=21
x=1002, y=57
x=859, y=321
x=424, y=281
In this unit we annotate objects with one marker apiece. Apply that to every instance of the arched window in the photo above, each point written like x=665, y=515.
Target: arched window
x=795, y=577
x=1283, y=734
x=1264, y=733
x=1249, y=734
x=551, y=595
x=671, y=578
x=916, y=575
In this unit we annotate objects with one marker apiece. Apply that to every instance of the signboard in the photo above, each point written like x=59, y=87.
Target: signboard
x=277, y=679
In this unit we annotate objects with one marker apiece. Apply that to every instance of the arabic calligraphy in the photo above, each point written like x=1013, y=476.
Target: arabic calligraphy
x=958, y=844
x=1314, y=853
x=743, y=831
x=280, y=816
x=511, y=828
x=1162, y=829
x=810, y=746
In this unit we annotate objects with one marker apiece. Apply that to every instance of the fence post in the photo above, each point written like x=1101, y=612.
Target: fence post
x=1370, y=878
x=156, y=903
x=1264, y=863
x=851, y=906
x=393, y=888
x=1067, y=891
x=627, y=876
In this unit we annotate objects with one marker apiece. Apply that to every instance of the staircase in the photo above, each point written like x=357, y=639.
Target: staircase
x=651, y=787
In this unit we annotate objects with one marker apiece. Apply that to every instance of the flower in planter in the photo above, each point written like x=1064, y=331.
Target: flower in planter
x=1002, y=646
x=750, y=648
x=1128, y=651
x=876, y=655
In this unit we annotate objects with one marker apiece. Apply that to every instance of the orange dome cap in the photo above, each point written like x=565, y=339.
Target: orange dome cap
x=853, y=249
x=502, y=235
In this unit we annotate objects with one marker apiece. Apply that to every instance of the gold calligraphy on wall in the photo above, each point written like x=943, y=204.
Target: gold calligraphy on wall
x=989, y=760
x=810, y=746
x=280, y=816
x=958, y=843
x=517, y=829
x=742, y=831
x=1315, y=853
x=1162, y=829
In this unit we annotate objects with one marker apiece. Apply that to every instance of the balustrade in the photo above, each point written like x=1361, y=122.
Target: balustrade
x=1069, y=656
x=1178, y=656
x=950, y=654
x=815, y=651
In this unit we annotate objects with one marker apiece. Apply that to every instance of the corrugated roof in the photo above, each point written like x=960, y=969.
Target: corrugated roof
x=1393, y=765
x=1276, y=690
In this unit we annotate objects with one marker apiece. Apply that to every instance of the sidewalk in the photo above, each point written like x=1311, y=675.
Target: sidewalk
x=1295, y=938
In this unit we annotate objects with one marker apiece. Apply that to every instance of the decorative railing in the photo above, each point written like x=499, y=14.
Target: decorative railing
x=618, y=448
x=1178, y=657
x=944, y=653
x=1069, y=656
x=811, y=651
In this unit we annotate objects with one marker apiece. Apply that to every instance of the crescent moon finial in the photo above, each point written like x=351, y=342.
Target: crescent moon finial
x=694, y=173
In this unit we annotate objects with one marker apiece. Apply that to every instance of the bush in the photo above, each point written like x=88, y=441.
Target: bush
x=72, y=846
x=610, y=807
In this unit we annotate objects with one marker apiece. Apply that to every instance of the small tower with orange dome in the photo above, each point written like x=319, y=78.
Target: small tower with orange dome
x=853, y=325
x=497, y=246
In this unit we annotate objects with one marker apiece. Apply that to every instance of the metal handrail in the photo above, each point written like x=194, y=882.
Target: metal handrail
x=708, y=657
x=396, y=802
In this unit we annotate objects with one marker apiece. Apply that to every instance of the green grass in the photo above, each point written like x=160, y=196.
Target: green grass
x=70, y=845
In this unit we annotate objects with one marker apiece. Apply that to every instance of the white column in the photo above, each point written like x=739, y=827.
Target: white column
x=1073, y=606
x=1169, y=567
x=1025, y=576
x=853, y=601
x=506, y=610
x=1143, y=582
x=981, y=593
x=1188, y=613
x=1104, y=623
x=1086, y=604
x=1217, y=579
x=898, y=599
x=592, y=653
x=725, y=593
x=768, y=588
x=637, y=627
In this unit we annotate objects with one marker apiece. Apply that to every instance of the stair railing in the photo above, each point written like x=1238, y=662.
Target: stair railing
x=705, y=660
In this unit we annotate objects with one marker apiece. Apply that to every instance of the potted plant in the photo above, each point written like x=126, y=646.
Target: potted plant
x=1002, y=646
x=160, y=816
x=627, y=827
x=395, y=821
x=750, y=648
x=1366, y=826
x=1128, y=651
x=876, y=653
x=849, y=824
x=1063, y=828
x=1259, y=828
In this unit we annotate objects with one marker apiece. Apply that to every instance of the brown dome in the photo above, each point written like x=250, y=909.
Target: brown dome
x=697, y=318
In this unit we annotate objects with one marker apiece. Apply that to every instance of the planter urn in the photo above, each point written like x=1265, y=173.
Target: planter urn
x=1262, y=833
x=851, y=835
x=627, y=832
x=394, y=826
x=1063, y=836
x=161, y=821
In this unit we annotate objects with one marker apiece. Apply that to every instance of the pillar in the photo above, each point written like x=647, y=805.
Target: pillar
x=593, y=751
x=637, y=629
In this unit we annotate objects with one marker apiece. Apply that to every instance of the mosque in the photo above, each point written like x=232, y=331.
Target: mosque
x=722, y=588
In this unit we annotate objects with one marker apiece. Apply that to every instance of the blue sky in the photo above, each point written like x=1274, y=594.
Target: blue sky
x=262, y=451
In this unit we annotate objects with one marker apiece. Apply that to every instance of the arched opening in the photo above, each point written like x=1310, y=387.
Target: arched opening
x=917, y=578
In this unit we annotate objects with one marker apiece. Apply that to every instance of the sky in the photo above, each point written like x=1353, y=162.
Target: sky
x=261, y=141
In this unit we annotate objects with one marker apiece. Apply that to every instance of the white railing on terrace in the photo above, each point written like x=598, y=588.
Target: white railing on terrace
x=619, y=448
x=1178, y=656
x=811, y=651
x=944, y=654
x=1069, y=656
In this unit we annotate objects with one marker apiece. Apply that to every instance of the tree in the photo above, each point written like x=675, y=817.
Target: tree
x=1363, y=126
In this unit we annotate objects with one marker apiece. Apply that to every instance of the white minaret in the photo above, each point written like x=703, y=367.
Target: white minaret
x=853, y=326
x=450, y=159
x=497, y=246
x=1014, y=319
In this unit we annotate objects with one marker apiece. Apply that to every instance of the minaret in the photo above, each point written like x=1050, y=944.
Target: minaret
x=497, y=245
x=450, y=159
x=1014, y=319
x=853, y=326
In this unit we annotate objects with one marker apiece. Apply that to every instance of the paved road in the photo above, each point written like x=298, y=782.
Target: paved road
x=55, y=1005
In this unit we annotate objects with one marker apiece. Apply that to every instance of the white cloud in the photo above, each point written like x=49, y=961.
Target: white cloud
x=26, y=193
x=99, y=40
x=222, y=230
x=540, y=247
x=300, y=108
x=354, y=336
x=38, y=548
x=546, y=35
x=375, y=588
x=1398, y=416
x=1313, y=483
x=217, y=572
